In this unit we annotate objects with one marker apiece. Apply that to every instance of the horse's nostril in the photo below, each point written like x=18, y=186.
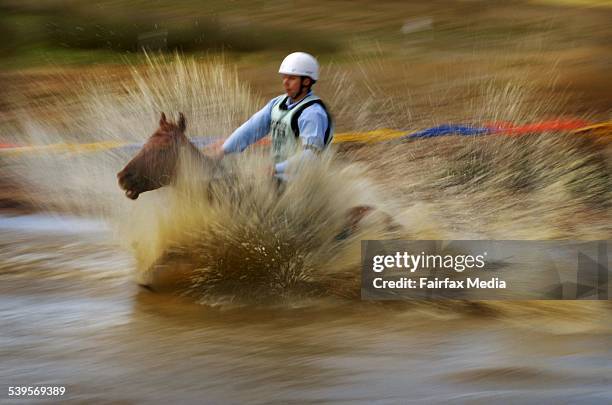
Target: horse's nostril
x=124, y=176
x=124, y=179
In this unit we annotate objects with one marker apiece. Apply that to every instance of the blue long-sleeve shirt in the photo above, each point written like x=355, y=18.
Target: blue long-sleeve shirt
x=312, y=124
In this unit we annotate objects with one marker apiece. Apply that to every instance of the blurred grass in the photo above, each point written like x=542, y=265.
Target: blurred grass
x=123, y=35
x=530, y=163
x=66, y=32
x=37, y=32
x=456, y=58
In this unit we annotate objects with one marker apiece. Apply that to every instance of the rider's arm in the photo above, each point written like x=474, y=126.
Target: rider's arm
x=313, y=124
x=251, y=131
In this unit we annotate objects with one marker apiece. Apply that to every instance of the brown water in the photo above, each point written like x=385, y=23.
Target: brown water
x=71, y=315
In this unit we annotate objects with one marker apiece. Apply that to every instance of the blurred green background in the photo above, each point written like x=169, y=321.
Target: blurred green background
x=76, y=31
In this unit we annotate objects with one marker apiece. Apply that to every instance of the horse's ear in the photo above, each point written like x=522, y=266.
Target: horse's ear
x=181, y=122
x=162, y=120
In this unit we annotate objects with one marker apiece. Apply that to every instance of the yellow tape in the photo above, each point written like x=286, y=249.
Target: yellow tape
x=377, y=135
x=605, y=128
x=65, y=147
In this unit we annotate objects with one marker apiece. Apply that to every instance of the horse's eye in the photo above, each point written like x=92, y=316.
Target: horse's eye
x=164, y=141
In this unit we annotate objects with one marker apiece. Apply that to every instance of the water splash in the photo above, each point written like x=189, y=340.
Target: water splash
x=249, y=238
x=250, y=243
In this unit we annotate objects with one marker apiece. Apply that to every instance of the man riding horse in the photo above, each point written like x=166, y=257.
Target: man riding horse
x=299, y=123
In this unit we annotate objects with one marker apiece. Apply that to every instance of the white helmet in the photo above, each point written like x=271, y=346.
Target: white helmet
x=300, y=64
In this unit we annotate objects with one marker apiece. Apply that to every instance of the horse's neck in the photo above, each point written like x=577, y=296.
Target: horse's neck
x=197, y=158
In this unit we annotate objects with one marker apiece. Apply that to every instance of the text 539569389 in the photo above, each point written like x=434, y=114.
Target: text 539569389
x=31, y=391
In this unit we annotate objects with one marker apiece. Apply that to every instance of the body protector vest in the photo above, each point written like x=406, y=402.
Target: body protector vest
x=285, y=129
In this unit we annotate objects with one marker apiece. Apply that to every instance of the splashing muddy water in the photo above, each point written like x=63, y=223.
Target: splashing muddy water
x=71, y=315
x=269, y=312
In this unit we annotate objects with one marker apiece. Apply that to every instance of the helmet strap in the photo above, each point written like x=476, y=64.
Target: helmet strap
x=302, y=87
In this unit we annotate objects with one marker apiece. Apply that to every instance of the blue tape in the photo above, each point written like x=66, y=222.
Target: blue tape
x=448, y=130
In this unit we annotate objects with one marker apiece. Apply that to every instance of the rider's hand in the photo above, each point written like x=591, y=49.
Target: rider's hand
x=215, y=150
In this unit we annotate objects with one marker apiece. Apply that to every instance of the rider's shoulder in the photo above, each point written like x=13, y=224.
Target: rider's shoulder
x=272, y=103
x=277, y=99
x=317, y=108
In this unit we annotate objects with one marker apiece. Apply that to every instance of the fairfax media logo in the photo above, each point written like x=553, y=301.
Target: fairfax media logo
x=517, y=269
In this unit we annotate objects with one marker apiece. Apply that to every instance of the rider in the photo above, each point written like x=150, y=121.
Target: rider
x=298, y=120
x=300, y=125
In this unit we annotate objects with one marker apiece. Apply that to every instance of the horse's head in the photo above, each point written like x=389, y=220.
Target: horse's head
x=155, y=164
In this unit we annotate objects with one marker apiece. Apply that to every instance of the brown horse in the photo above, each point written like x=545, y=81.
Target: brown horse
x=156, y=165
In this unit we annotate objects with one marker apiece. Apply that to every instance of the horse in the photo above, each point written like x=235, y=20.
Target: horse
x=157, y=163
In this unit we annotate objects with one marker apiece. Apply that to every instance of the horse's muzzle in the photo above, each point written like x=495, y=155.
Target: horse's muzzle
x=127, y=183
